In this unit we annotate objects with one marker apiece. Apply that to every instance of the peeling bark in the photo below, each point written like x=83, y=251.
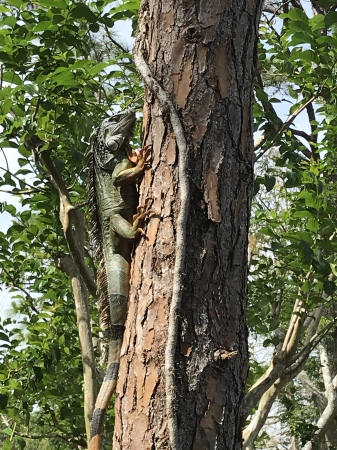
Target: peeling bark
x=203, y=56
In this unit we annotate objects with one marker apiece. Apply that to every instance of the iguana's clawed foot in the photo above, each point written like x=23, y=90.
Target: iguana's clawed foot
x=142, y=211
x=143, y=157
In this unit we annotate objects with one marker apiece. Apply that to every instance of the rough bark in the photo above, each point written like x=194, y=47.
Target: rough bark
x=203, y=56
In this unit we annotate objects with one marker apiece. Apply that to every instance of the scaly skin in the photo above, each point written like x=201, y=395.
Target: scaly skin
x=114, y=200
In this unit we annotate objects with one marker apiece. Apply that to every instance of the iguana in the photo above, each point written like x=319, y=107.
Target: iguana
x=115, y=221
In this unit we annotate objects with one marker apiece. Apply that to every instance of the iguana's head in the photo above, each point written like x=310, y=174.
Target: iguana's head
x=117, y=128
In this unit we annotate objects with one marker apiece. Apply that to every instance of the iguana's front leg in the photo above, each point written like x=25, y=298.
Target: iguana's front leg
x=125, y=229
x=131, y=174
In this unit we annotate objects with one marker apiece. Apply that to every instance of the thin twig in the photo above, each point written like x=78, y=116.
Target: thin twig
x=68, y=437
x=20, y=180
x=114, y=42
x=67, y=209
x=25, y=192
x=23, y=290
x=303, y=354
x=286, y=124
x=5, y=158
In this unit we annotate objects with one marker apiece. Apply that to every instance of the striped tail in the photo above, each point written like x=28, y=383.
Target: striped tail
x=108, y=387
x=117, y=275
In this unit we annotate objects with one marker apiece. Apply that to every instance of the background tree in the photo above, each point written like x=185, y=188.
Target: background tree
x=292, y=286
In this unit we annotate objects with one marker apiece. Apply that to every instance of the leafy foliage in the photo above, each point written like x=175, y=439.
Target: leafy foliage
x=294, y=212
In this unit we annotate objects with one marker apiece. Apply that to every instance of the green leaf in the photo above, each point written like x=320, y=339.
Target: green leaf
x=309, y=55
x=306, y=252
x=12, y=78
x=317, y=22
x=9, y=21
x=269, y=182
x=321, y=265
x=62, y=4
x=94, y=27
x=82, y=11
x=329, y=287
x=311, y=199
x=333, y=268
x=38, y=373
x=44, y=25
x=312, y=224
x=3, y=401
x=4, y=337
x=330, y=19
x=302, y=37
x=97, y=68
x=16, y=3
x=297, y=14
x=261, y=95
x=302, y=214
x=296, y=26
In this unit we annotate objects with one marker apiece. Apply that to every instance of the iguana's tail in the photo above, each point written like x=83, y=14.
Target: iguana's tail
x=117, y=271
x=104, y=396
x=108, y=386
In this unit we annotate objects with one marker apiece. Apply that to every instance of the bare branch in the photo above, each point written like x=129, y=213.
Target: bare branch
x=303, y=134
x=18, y=192
x=267, y=400
x=286, y=124
x=280, y=362
x=67, y=210
x=64, y=437
x=22, y=181
x=325, y=368
x=330, y=412
x=15, y=285
x=113, y=41
x=300, y=358
x=317, y=396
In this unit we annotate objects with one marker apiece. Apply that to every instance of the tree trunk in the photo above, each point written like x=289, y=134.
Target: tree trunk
x=203, y=54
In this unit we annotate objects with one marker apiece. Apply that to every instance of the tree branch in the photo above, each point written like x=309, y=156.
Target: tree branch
x=330, y=411
x=317, y=396
x=67, y=210
x=23, y=290
x=280, y=361
x=267, y=400
x=66, y=437
x=22, y=181
x=286, y=124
